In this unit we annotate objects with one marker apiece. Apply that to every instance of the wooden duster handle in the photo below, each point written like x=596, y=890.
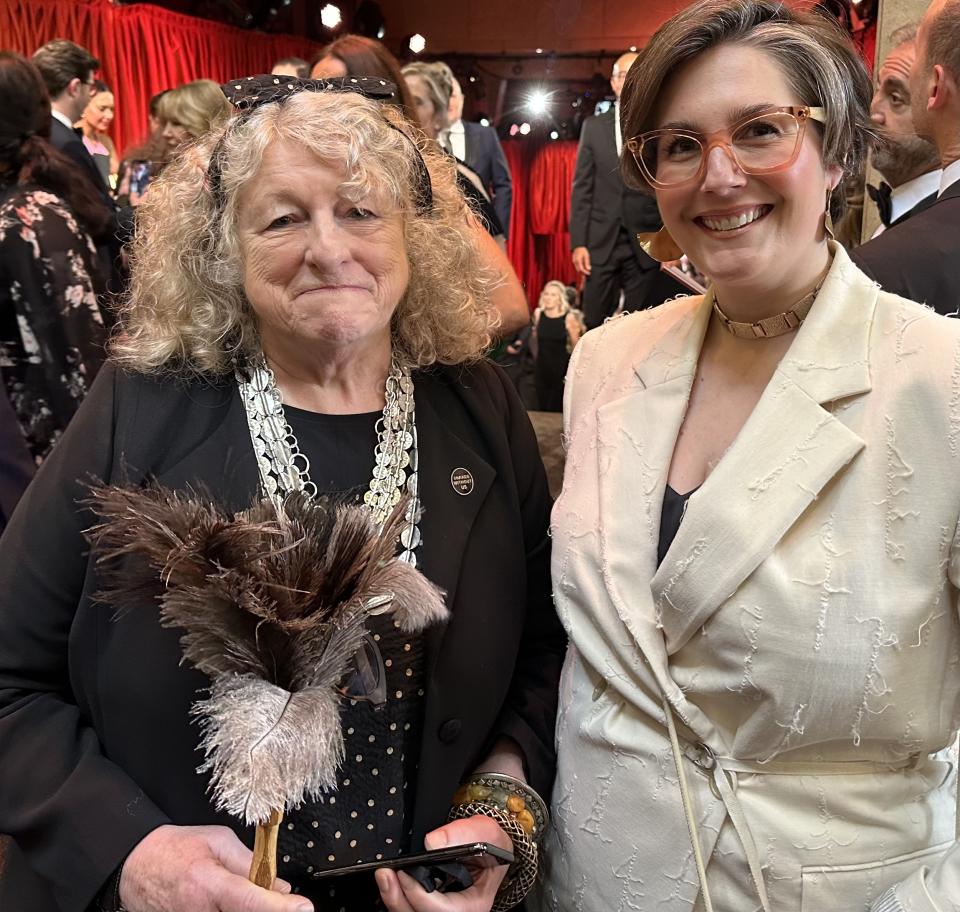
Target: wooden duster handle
x=263, y=870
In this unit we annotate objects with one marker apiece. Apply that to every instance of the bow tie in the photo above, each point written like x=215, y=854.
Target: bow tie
x=881, y=196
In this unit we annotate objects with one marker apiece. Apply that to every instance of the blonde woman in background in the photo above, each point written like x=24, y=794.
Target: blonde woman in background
x=189, y=112
x=557, y=327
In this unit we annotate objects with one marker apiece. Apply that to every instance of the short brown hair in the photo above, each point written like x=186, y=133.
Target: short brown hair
x=942, y=39
x=817, y=58
x=60, y=61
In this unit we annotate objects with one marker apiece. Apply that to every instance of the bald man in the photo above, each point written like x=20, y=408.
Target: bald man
x=920, y=259
x=606, y=216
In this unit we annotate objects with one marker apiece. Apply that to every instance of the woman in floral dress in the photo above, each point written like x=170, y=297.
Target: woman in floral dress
x=51, y=332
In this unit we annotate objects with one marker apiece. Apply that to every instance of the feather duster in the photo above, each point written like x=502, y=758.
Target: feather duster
x=273, y=602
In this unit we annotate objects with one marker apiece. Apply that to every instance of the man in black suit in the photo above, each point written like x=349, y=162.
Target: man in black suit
x=478, y=147
x=920, y=259
x=606, y=216
x=910, y=165
x=68, y=71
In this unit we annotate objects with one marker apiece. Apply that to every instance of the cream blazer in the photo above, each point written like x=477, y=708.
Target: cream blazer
x=803, y=625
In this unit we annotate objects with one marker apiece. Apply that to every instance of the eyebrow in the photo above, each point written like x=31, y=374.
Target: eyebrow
x=892, y=82
x=736, y=115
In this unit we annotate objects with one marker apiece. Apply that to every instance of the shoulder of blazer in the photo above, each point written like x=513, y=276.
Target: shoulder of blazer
x=615, y=347
x=481, y=386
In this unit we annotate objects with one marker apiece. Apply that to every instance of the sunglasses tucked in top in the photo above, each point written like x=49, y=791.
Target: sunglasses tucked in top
x=758, y=144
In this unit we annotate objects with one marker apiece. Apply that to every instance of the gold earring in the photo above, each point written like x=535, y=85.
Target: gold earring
x=659, y=245
x=828, y=219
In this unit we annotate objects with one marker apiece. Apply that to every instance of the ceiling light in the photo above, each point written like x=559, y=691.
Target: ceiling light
x=330, y=16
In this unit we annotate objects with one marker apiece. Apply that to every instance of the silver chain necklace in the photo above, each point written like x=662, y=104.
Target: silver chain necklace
x=285, y=470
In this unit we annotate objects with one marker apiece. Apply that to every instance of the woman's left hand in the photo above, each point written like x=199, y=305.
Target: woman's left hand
x=401, y=893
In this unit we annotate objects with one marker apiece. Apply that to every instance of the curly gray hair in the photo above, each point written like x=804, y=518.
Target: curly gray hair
x=187, y=311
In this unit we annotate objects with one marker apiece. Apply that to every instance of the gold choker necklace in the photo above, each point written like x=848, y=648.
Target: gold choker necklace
x=769, y=327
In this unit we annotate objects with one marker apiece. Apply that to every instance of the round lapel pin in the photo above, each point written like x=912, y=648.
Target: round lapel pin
x=462, y=481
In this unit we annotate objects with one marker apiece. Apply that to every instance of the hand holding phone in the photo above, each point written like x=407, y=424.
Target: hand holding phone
x=402, y=893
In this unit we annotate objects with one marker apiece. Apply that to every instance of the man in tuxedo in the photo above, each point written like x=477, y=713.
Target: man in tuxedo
x=920, y=258
x=68, y=71
x=479, y=149
x=910, y=165
x=606, y=216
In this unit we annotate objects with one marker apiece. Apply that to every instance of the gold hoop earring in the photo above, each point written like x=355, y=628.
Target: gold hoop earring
x=659, y=245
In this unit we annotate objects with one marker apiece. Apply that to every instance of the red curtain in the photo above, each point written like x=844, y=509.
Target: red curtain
x=144, y=49
x=539, y=244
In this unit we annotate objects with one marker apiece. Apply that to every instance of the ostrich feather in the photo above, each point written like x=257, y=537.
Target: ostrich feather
x=273, y=602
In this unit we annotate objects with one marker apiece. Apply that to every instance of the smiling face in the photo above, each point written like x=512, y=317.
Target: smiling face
x=321, y=271
x=743, y=230
x=99, y=113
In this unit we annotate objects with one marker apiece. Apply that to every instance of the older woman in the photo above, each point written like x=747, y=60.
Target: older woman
x=314, y=251
x=755, y=550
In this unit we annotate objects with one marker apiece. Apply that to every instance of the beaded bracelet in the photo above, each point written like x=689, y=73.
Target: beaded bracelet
x=521, y=813
x=515, y=798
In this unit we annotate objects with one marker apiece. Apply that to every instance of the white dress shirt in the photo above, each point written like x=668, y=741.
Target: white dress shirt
x=908, y=194
x=616, y=127
x=950, y=175
x=62, y=118
x=457, y=139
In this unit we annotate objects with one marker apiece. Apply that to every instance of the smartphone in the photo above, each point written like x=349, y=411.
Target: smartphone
x=139, y=177
x=473, y=854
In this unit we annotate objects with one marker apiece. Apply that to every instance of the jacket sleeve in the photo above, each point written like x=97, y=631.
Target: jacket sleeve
x=73, y=812
x=501, y=182
x=934, y=888
x=581, y=199
x=529, y=716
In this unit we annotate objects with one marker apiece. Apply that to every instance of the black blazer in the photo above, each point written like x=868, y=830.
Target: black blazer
x=96, y=742
x=920, y=259
x=601, y=203
x=484, y=155
x=67, y=141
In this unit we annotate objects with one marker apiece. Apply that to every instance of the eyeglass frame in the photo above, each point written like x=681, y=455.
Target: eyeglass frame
x=708, y=141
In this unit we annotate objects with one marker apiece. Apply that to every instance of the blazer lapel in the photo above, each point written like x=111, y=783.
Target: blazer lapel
x=448, y=515
x=636, y=435
x=790, y=447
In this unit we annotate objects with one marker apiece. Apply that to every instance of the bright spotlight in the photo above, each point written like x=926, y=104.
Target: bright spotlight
x=524, y=129
x=539, y=50
x=633, y=49
x=484, y=122
x=381, y=33
x=417, y=43
x=537, y=102
x=554, y=134
x=330, y=16
x=514, y=129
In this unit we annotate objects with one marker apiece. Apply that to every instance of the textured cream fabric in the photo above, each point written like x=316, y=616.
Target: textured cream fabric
x=805, y=613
